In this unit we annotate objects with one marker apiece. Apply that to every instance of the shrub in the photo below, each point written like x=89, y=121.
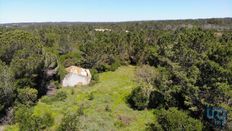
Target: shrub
x=29, y=122
x=116, y=63
x=61, y=71
x=23, y=117
x=61, y=96
x=71, y=58
x=27, y=95
x=156, y=99
x=91, y=96
x=95, y=76
x=176, y=120
x=146, y=74
x=139, y=97
x=154, y=127
x=71, y=121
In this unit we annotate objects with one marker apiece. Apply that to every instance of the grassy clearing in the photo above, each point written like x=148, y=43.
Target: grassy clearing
x=104, y=103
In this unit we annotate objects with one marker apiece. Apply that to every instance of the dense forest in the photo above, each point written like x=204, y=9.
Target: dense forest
x=180, y=69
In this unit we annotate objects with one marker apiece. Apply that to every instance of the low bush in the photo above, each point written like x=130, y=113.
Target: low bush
x=91, y=96
x=116, y=63
x=71, y=121
x=95, y=76
x=156, y=100
x=30, y=122
x=139, y=98
x=27, y=95
x=175, y=120
x=61, y=96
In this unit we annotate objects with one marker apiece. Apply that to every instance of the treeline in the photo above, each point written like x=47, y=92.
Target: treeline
x=189, y=70
x=23, y=65
x=178, y=67
x=221, y=24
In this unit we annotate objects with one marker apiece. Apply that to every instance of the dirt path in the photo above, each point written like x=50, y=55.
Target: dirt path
x=51, y=89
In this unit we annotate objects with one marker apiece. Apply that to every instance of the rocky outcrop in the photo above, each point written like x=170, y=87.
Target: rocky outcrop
x=76, y=76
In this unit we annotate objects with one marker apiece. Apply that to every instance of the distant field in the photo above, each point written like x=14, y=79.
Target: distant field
x=107, y=110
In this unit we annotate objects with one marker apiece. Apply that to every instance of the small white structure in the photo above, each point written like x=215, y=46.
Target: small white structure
x=102, y=30
x=76, y=76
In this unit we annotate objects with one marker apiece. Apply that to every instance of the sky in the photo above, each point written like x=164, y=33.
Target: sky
x=15, y=11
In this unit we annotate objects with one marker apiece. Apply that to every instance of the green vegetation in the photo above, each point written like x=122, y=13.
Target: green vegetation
x=175, y=68
x=173, y=119
x=102, y=106
x=6, y=86
x=31, y=122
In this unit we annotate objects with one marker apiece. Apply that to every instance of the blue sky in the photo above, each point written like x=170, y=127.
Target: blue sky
x=12, y=11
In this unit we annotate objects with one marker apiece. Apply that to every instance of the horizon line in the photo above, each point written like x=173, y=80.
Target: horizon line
x=123, y=21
